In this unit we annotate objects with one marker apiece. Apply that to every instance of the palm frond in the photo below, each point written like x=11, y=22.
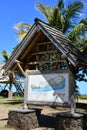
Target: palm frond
x=74, y=9
x=81, y=44
x=21, y=34
x=60, y=4
x=79, y=30
x=22, y=29
x=45, y=10
x=5, y=55
x=72, y=14
x=22, y=25
x=57, y=19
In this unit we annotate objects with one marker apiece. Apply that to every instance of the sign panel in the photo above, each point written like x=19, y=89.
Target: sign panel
x=48, y=87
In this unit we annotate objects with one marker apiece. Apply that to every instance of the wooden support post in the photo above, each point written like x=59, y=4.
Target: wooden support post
x=37, y=58
x=10, y=95
x=19, y=66
x=25, y=84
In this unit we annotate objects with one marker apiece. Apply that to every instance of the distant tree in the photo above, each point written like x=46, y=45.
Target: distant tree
x=12, y=76
x=5, y=55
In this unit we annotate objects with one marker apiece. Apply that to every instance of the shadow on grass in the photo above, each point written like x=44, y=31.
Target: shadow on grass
x=81, y=105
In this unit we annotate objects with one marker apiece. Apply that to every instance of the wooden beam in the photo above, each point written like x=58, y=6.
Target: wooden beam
x=30, y=46
x=48, y=56
x=42, y=62
x=19, y=66
x=44, y=52
x=17, y=61
x=39, y=53
x=70, y=69
x=37, y=57
x=43, y=43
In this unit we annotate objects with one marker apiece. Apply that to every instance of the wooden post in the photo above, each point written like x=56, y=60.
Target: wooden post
x=19, y=66
x=25, y=90
x=10, y=95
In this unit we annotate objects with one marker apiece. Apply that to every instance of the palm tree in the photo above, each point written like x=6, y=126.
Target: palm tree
x=5, y=55
x=13, y=79
x=22, y=28
x=67, y=19
x=62, y=17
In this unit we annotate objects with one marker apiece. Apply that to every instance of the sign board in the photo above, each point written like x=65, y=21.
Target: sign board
x=48, y=88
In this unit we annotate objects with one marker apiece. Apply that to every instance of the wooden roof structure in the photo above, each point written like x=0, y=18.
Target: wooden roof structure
x=7, y=79
x=40, y=34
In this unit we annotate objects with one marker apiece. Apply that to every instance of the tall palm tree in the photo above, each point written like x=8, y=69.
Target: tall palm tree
x=62, y=17
x=68, y=20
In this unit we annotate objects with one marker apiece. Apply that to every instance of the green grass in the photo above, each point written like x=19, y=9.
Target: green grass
x=6, y=127
x=1, y=97
x=17, y=105
x=15, y=101
x=18, y=98
x=84, y=97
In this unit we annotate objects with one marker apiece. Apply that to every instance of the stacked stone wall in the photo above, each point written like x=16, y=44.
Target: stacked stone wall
x=23, y=120
x=67, y=121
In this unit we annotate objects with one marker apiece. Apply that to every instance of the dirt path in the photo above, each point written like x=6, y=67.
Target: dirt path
x=4, y=109
x=46, y=110
x=4, y=114
x=5, y=106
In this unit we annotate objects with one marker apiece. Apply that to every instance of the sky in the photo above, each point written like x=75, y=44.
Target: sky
x=15, y=11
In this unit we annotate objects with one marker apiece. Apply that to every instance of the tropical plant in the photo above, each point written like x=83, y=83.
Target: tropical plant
x=69, y=20
x=12, y=77
x=61, y=16
x=65, y=18
x=5, y=55
x=22, y=28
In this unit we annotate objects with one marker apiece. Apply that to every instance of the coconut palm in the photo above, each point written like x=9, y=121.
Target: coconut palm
x=62, y=17
x=68, y=20
x=22, y=28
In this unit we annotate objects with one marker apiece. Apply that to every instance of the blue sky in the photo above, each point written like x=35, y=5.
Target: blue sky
x=15, y=11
